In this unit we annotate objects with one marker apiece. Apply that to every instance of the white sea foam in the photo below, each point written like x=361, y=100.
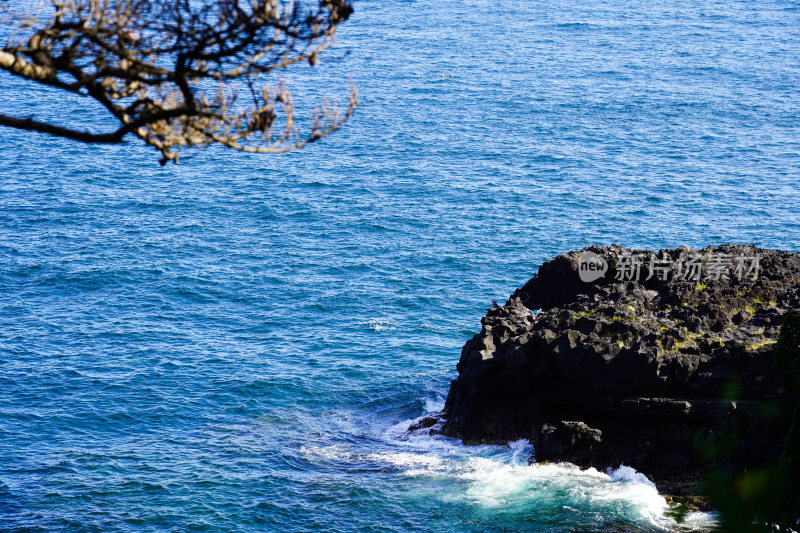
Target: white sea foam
x=626, y=473
x=697, y=521
x=499, y=479
x=522, y=449
x=434, y=405
x=399, y=431
x=335, y=452
x=424, y=462
x=378, y=324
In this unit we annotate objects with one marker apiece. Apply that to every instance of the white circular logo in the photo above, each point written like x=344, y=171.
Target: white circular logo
x=591, y=267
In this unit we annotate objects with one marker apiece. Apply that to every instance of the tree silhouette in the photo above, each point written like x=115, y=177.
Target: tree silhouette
x=177, y=73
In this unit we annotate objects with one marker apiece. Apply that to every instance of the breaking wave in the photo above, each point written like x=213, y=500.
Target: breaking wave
x=501, y=480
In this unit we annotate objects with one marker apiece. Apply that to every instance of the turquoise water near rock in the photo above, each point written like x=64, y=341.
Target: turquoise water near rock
x=236, y=343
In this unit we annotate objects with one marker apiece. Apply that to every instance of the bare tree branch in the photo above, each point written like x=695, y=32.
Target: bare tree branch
x=169, y=71
x=75, y=135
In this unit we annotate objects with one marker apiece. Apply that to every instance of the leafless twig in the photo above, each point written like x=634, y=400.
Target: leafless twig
x=169, y=71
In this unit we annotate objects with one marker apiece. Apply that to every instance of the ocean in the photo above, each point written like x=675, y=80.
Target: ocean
x=238, y=342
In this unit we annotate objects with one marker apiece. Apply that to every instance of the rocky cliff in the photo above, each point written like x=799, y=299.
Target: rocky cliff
x=651, y=359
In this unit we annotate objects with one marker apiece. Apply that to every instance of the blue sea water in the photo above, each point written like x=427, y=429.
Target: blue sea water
x=237, y=343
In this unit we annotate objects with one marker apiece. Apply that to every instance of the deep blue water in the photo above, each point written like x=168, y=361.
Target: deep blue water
x=234, y=343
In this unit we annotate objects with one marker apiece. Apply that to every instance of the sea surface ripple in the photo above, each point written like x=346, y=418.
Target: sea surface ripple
x=235, y=343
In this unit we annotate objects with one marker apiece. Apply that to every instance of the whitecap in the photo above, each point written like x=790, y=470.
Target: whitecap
x=435, y=405
x=627, y=473
x=334, y=452
x=378, y=324
x=404, y=460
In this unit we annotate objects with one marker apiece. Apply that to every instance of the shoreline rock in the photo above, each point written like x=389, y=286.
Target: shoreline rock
x=665, y=373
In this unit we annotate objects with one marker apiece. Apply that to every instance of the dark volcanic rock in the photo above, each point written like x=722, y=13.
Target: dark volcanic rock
x=634, y=371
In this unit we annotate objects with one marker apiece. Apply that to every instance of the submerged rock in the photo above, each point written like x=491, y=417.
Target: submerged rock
x=655, y=360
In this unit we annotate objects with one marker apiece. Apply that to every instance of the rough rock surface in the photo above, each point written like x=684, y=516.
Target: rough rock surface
x=648, y=372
